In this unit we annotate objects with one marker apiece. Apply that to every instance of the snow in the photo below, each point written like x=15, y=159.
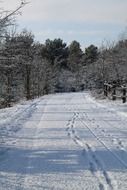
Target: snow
x=68, y=141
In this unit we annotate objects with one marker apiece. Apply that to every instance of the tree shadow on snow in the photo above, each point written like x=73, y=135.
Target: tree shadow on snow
x=24, y=161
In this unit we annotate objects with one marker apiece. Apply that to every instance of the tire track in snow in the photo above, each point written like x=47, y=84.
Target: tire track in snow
x=36, y=132
x=116, y=141
x=123, y=163
x=17, y=118
x=33, y=145
x=15, y=123
x=22, y=118
x=104, y=145
x=95, y=164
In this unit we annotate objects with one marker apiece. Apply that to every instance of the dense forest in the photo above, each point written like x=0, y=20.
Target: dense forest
x=30, y=69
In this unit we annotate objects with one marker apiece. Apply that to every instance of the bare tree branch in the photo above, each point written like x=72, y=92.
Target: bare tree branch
x=12, y=13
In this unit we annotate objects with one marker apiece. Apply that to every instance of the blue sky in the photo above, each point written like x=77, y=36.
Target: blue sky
x=87, y=21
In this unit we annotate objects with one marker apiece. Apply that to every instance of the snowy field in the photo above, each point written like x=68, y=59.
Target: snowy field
x=65, y=141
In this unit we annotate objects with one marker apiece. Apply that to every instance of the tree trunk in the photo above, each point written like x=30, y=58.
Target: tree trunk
x=28, y=97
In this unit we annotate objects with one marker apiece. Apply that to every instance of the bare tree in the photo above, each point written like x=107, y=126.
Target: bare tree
x=7, y=54
x=7, y=18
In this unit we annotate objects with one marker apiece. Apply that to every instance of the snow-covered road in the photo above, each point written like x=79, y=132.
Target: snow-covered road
x=63, y=142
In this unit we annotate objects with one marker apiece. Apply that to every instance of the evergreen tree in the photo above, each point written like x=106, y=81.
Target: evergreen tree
x=55, y=51
x=75, y=56
x=91, y=54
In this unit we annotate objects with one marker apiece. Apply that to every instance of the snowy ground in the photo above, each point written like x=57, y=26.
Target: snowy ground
x=64, y=142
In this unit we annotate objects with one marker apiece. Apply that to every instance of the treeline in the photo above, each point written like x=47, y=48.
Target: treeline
x=29, y=69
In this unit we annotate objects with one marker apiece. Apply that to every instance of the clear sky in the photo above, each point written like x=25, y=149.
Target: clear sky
x=87, y=21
